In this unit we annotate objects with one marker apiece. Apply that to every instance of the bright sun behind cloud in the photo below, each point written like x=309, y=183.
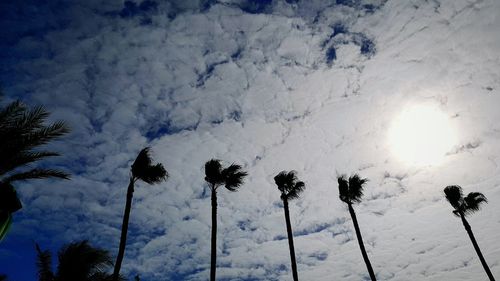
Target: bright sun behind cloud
x=421, y=135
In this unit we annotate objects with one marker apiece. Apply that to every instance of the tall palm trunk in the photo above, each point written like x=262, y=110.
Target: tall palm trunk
x=123, y=237
x=360, y=241
x=290, y=240
x=213, y=257
x=476, y=247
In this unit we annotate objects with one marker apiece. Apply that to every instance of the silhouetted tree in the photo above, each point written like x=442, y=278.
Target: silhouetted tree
x=3, y=277
x=350, y=192
x=464, y=206
x=22, y=131
x=290, y=188
x=231, y=178
x=77, y=262
x=142, y=169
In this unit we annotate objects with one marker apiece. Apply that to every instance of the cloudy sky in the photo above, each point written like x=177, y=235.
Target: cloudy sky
x=309, y=85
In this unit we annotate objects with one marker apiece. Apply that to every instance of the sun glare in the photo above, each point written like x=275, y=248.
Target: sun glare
x=421, y=135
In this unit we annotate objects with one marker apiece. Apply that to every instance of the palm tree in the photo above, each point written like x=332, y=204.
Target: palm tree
x=231, y=178
x=78, y=261
x=464, y=206
x=290, y=189
x=350, y=192
x=142, y=169
x=22, y=131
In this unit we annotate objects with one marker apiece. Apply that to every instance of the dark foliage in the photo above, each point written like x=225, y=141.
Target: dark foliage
x=351, y=190
x=144, y=170
x=465, y=205
x=77, y=262
x=289, y=185
x=22, y=131
x=231, y=177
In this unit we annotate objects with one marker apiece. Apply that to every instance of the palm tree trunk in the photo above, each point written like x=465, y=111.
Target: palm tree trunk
x=476, y=247
x=123, y=237
x=290, y=240
x=361, y=244
x=213, y=257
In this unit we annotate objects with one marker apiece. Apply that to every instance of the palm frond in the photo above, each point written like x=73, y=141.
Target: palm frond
x=44, y=264
x=295, y=192
x=37, y=174
x=281, y=179
x=143, y=169
x=213, y=172
x=79, y=260
x=289, y=185
x=454, y=195
x=233, y=177
x=8, y=164
x=351, y=190
x=356, y=184
x=343, y=188
x=473, y=202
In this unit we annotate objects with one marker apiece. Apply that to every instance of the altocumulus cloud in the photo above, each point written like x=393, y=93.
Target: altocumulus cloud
x=274, y=85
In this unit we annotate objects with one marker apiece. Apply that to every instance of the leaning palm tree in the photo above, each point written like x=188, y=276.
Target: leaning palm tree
x=290, y=188
x=464, y=206
x=78, y=261
x=350, y=192
x=142, y=169
x=216, y=176
x=22, y=131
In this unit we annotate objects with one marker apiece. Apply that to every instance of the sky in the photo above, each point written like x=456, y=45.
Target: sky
x=306, y=85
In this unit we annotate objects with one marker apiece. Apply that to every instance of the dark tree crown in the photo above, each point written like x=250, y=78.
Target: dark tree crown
x=464, y=205
x=351, y=190
x=144, y=169
x=78, y=261
x=231, y=177
x=22, y=130
x=289, y=185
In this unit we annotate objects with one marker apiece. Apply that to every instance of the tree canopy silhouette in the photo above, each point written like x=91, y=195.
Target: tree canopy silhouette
x=22, y=132
x=78, y=261
x=142, y=169
x=231, y=178
x=351, y=192
x=290, y=188
x=464, y=206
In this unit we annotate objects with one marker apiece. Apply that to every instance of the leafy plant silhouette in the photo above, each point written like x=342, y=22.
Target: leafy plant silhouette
x=78, y=261
x=464, y=206
x=351, y=192
x=290, y=188
x=22, y=131
x=231, y=178
x=142, y=169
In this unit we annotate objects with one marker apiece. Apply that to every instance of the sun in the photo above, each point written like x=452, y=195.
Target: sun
x=421, y=135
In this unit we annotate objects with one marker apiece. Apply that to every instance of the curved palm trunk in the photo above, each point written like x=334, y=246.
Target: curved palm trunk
x=213, y=256
x=476, y=247
x=361, y=245
x=123, y=237
x=290, y=240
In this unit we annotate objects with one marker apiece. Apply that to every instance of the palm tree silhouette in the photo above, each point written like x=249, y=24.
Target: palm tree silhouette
x=231, y=178
x=142, y=169
x=290, y=189
x=350, y=192
x=22, y=131
x=78, y=261
x=464, y=206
